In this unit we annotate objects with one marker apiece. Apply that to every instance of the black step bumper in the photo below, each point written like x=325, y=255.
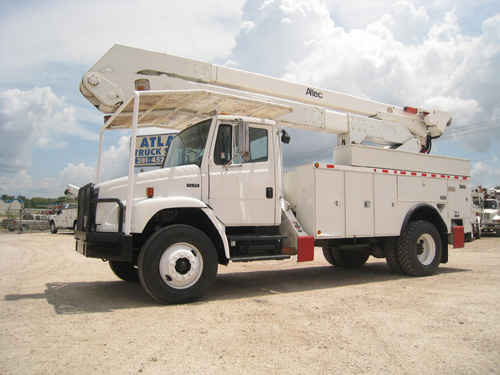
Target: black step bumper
x=111, y=246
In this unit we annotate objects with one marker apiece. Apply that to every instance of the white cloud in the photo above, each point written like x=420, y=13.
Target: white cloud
x=33, y=119
x=247, y=26
x=114, y=164
x=115, y=160
x=486, y=174
x=77, y=175
x=272, y=43
x=80, y=32
x=18, y=184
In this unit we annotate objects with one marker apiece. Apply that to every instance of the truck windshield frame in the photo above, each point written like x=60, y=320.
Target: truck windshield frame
x=188, y=146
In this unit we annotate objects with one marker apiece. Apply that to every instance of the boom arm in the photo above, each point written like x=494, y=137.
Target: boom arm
x=122, y=70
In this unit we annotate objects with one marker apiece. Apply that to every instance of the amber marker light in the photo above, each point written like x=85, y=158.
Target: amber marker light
x=150, y=192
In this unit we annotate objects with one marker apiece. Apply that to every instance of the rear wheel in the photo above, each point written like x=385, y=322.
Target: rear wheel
x=178, y=264
x=345, y=258
x=126, y=271
x=53, y=228
x=391, y=255
x=419, y=249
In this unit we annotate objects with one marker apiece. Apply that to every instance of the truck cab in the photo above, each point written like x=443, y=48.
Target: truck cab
x=490, y=216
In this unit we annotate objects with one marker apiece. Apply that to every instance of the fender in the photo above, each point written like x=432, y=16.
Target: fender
x=144, y=210
x=432, y=215
x=424, y=211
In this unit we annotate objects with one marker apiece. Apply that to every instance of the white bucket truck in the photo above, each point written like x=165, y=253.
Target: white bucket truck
x=222, y=196
x=64, y=218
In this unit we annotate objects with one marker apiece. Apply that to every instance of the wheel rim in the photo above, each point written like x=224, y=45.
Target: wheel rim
x=426, y=249
x=181, y=265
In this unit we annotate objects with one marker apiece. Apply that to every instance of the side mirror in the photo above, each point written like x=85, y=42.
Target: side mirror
x=244, y=140
x=285, y=137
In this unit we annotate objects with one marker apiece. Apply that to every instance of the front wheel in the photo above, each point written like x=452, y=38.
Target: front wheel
x=178, y=264
x=126, y=271
x=419, y=249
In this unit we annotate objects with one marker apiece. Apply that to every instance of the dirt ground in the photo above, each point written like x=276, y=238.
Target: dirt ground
x=62, y=313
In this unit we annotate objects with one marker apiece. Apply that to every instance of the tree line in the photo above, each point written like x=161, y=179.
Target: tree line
x=38, y=201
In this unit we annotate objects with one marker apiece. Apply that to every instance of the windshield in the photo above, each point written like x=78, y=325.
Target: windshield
x=188, y=146
x=491, y=204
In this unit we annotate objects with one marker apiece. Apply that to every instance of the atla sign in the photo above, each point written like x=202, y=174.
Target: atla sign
x=150, y=150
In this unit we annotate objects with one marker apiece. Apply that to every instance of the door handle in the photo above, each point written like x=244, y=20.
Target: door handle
x=269, y=193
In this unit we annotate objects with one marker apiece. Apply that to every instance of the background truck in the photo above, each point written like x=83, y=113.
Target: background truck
x=222, y=196
x=65, y=218
x=490, y=216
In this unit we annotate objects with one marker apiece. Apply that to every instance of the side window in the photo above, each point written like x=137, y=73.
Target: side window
x=226, y=145
x=258, y=145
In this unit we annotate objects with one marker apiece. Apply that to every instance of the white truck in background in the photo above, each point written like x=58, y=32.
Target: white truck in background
x=490, y=215
x=221, y=195
x=64, y=218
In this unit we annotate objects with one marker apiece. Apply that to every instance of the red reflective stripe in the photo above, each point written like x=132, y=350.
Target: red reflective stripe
x=385, y=171
x=330, y=166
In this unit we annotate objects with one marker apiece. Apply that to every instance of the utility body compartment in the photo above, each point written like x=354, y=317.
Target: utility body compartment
x=338, y=201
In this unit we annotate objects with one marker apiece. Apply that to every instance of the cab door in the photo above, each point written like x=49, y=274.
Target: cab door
x=242, y=190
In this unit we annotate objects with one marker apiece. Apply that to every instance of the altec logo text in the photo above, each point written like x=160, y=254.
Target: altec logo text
x=313, y=93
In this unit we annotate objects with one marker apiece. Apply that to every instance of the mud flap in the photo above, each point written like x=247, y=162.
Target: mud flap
x=305, y=246
x=458, y=237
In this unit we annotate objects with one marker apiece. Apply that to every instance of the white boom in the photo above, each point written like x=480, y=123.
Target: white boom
x=123, y=70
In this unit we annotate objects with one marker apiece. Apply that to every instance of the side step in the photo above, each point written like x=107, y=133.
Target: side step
x=255, y=258
x=253, y=247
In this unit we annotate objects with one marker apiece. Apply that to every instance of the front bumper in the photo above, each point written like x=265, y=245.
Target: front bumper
x=111, y=246
x=488, y=226
x=103, y=245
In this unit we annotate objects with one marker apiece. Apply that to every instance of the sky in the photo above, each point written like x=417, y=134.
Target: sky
x=433, y=54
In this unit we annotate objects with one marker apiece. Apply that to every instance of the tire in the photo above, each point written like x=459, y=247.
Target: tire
x=53, y=228
x=178, y=264
x=345, y=258
x=74, y=226
x=419, y=249
x=328, y=254
x=391, y=255
x=126, y=271
x=477, y=232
